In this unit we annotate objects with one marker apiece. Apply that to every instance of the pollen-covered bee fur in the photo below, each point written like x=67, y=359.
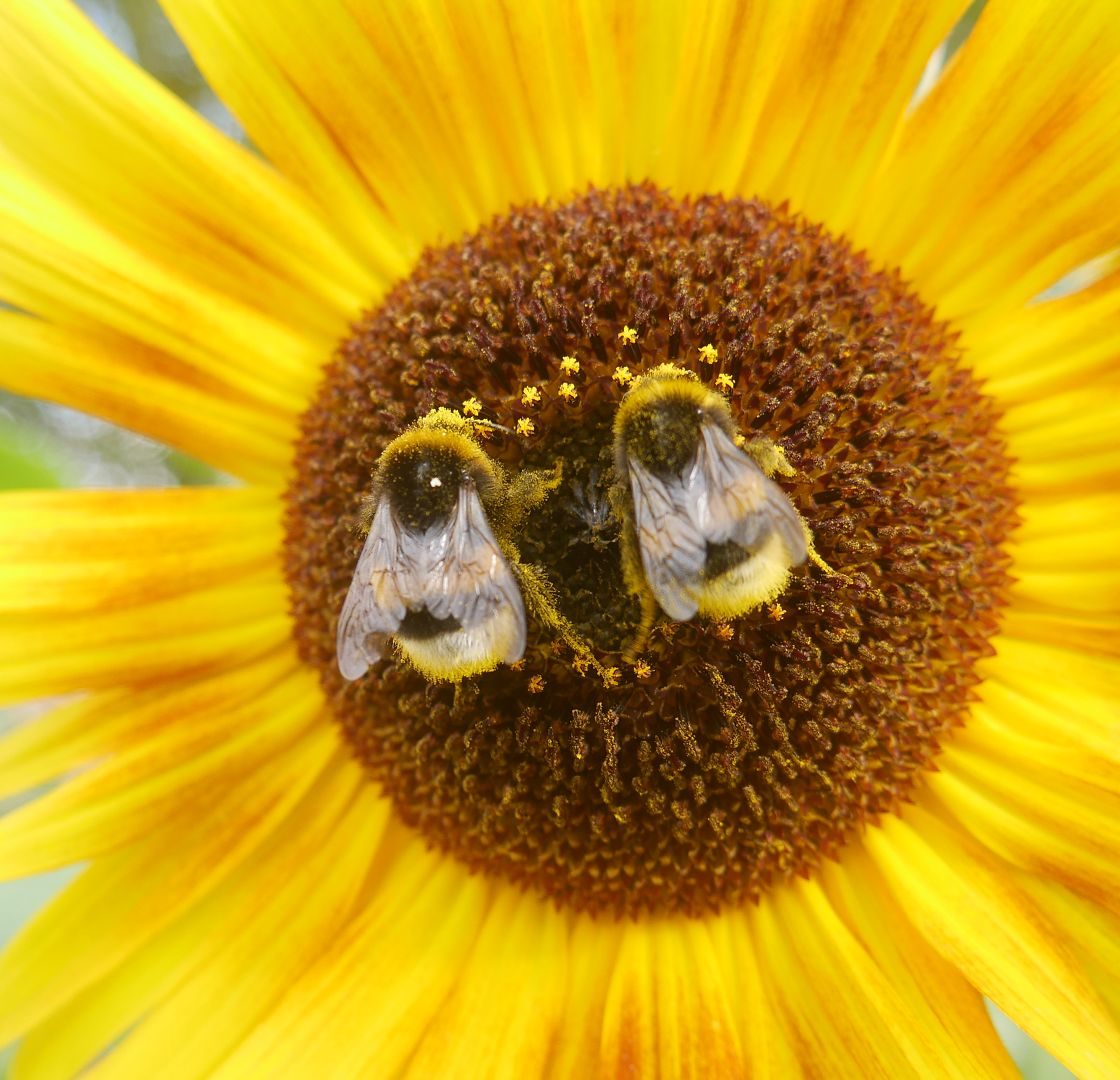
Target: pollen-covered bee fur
x=705, y=529
x=433, y=578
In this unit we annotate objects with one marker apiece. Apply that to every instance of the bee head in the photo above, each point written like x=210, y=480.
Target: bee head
x=422, y=470
x=660, y=419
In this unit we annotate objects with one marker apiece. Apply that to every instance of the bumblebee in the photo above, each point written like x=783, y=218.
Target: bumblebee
x=707, y=531
x=432, y=576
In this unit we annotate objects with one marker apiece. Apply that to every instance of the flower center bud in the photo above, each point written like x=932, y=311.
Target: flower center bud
x=630, y=761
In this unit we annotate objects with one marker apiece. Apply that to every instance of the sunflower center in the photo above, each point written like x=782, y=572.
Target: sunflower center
x=689, y=764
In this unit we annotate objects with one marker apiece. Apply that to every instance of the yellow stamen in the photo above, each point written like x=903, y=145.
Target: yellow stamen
x=621, y=375
x=708, y=353
x=472, y=406
x=569, y=365
x=536, y=684
x=776, y=611
x=525, y=426
x=530, y=395
x=568, y=392
x=724, y=381
x=611, y=676
x=642, y=670
x=628, y=335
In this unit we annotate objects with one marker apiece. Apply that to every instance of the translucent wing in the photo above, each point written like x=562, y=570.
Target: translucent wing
x=453, y=571
x=721, y=497
x=734, y=500
x=469, y=580
x=375, y=604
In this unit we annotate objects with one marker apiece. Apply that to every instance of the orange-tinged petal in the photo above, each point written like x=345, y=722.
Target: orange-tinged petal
x=504, y=1014
x=843, y=1014
x=927, y=983
x=171, y=783
x=276, y=923
x=290, y=867
x=87, y=930
x=1042, y=827
x=118, y=378
x=368, y=998
x=968, y=909
x=1005, y=177
x=98, y=725
x=668, y=1007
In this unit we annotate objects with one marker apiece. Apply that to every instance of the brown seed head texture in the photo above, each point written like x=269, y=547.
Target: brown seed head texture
x=727, y=756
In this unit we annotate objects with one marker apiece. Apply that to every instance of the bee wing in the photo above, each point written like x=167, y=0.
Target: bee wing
x=732, y=499
x=470, y=579
x=671, y=544
x=375, y=603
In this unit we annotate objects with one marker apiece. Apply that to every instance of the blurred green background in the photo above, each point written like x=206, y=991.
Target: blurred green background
x=44, y=445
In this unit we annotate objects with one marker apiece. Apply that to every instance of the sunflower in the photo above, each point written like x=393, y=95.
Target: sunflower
x=809, y=838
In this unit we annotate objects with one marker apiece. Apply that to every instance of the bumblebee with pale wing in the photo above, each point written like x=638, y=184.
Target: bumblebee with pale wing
x=713, y=534
x=432, y=576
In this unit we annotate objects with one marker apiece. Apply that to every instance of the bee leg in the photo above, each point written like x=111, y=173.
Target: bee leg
x=769, y=457
x=527, y=491
x=540, y=598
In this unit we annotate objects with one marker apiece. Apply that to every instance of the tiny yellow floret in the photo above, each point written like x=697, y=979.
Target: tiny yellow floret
x=628, y=335
x=725, y=381
x=725, y=631
x=525, y=426
x=621, y=375
x=568, y=392
x=642, y=670
x=611, y=676
x=569, y=365
x=472, y=407
x=581, y=664
x=530, y=395
x=708, y=353
x=536, y=684
x=776, y=612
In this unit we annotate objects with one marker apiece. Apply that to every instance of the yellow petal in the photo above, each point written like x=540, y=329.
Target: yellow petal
x=1005, y=177
x=668, y=1008
x=276, y=921
x=764, y=99
x=207, y=937
x=593, y=946
x=504, y=1014
x=68, y=553
x=172, y=782
x=769, y=1053
x=94, y=595
x=972, y=914
x=87, y=931
x=1038, y=824
x=1031, y=687
x=57, y=263
x=1028, y=353
x=117, y=378
x=823, y=111
x=1094, y=932
x=843, y=1014
x=99, y=725
x=933, y=989
x=108, y=138
x=364, y=1004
